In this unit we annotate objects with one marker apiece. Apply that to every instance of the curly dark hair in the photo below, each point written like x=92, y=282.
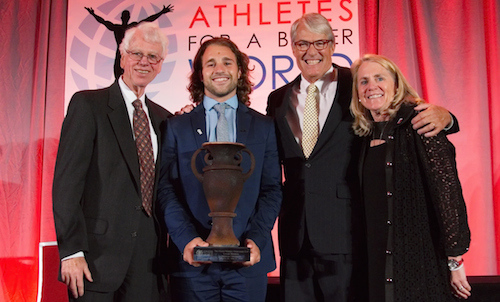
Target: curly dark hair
x=196, y=87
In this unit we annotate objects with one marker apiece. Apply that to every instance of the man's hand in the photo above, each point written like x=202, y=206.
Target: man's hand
x=431, y=120
x=189, y=251
x=72, y=272
x=186, y=109
x=254, y=253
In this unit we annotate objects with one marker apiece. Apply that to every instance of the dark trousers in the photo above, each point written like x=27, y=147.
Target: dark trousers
x=141, y=281
x=312, y=277
x=219, y=282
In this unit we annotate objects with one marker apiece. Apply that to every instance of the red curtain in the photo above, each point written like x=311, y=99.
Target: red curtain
x=449, y=51
x=33, y=36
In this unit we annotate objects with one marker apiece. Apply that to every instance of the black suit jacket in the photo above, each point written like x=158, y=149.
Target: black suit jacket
x=96, y=190
x=319, y=193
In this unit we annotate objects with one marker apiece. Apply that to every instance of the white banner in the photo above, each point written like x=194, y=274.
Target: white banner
x=261, y=29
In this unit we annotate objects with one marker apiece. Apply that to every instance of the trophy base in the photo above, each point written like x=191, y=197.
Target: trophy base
x=222, y=254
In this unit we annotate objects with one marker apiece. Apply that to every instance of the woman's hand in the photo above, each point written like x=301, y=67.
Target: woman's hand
x=459, y=284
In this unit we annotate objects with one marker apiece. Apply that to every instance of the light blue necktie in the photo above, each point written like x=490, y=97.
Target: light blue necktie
x=222, y=128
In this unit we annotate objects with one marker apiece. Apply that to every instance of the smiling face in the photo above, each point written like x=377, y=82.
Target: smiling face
x=138, y=74
x=220, y=72
x=312, y=63
x=376, y=87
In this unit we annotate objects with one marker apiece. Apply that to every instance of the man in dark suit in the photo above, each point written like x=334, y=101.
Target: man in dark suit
x=220, y=78
x=318, y=242
x=103, y=195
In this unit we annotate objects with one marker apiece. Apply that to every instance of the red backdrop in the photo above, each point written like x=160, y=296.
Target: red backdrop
x=449, y=50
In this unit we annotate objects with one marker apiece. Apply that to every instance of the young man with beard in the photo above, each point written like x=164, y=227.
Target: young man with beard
x=220, y=79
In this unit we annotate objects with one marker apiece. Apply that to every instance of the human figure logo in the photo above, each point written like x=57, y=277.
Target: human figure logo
x=93, y=49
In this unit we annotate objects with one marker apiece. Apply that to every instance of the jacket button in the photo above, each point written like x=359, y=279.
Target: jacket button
x=389, y=222
x=133, y=234
x=139, y=208
x=308, y=165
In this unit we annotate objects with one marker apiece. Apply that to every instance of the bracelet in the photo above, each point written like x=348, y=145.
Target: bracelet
x=457, y=268
x=454, y=265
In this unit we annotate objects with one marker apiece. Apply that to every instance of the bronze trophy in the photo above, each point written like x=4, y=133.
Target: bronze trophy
x=222, y=181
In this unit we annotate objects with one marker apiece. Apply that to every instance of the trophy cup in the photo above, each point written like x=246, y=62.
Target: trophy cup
x=222, y=181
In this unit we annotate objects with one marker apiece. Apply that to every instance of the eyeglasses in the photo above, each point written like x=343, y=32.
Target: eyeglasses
x=137, y=56
x=319, y=44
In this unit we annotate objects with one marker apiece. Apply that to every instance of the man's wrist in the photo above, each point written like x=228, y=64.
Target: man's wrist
x=75, y=255
x=450, y=125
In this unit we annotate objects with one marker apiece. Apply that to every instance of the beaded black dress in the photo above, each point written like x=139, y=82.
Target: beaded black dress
x=376, y=216
x=415, y=213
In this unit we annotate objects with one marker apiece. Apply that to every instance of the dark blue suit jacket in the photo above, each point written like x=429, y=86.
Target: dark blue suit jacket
x=182, y=198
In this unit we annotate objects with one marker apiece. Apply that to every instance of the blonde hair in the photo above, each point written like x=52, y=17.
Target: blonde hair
x=405, y=94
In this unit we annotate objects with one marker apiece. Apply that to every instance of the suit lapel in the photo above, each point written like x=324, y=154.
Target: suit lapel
x=155, y=121
x=339, y=108
x=337, y=112
x=199, y=125
x=120, y=122
x=243, y=122
x=282, y=121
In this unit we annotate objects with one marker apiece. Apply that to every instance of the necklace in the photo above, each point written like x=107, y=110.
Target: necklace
x=379, y=130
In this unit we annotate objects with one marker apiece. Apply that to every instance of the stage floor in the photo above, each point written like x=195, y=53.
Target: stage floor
x=484, y=289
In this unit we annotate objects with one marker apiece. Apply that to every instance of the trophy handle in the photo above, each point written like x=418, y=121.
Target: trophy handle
x=252, y=167
x=193, y=165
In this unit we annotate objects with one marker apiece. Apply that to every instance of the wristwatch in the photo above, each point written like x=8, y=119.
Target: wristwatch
x=455, y=265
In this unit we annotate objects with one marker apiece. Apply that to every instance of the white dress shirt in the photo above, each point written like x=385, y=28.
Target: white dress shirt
x=327, y=87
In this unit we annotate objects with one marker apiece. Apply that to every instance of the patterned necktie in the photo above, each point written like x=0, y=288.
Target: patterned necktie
x=222, y=128
x=311, y=126
x=146, y=156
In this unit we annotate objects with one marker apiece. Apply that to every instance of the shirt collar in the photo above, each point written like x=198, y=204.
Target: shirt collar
x=209, y=103
x=327, y=78
x=128, y=95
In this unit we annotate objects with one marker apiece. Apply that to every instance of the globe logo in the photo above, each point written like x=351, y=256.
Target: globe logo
x=93, y=47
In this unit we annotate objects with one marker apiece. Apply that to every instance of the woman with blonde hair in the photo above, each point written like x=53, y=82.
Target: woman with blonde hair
x=416, y=218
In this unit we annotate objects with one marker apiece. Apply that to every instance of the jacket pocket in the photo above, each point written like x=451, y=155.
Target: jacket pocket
x=343, y=191
x=97, y=226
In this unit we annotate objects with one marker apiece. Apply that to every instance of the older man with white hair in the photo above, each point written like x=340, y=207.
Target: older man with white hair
x=104, y=197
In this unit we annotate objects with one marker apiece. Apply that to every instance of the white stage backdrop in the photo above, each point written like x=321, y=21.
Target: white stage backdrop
x=261, y=29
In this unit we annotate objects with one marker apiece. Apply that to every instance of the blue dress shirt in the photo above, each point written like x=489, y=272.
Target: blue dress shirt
x=211, y=117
